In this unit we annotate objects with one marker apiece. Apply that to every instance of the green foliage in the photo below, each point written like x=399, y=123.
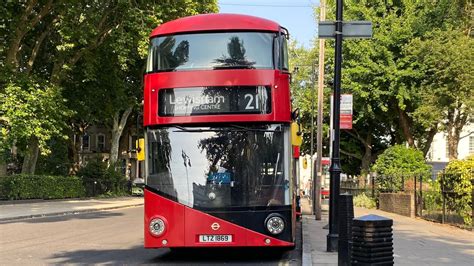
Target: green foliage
x=18, y=187
x=364, y=201
x=32, y=110
x=442, y=61
x=399, y=162
x=457, y=179
x=433, y=198
x=100, y=179
x=304, y=91
x=90, y=53
x=57, y=162
x=393, y=74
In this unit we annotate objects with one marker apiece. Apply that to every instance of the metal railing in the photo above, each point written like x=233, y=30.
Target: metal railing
x=441, y=199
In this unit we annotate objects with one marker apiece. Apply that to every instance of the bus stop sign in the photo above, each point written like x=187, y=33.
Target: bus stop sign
x=350, y=29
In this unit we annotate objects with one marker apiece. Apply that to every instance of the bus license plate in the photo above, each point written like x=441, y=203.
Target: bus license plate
x=215, y=238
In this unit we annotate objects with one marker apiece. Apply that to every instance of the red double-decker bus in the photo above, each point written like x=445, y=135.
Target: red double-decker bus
x=217, y=115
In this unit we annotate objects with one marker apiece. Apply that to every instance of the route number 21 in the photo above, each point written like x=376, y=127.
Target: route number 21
x=252, y=101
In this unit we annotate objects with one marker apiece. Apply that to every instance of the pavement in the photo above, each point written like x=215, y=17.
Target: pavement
x=416, y=241
x=16, y=210
x=314, y=237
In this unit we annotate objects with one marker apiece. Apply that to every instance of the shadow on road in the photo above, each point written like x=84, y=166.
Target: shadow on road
x=140, y=255
x=66, y=217
x=184, y=256
x=219, y=256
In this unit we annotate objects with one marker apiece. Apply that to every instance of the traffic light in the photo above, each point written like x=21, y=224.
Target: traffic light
x=140, y=144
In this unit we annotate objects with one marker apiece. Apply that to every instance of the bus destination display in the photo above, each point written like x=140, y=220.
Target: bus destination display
x=214, y=101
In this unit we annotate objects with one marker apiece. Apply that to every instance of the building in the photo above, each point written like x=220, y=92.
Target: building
x=438, y=155
x=96, y=143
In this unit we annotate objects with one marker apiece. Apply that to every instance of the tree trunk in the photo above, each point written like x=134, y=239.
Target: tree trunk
x=14, y=46
x=29, y=163
x=456, y=121
x=453, y=147
x=25, y=26
x=367, y=158
x=74, y=146
x=117, y=130
x=3, y=167
x=405, y=124
x=429, y=139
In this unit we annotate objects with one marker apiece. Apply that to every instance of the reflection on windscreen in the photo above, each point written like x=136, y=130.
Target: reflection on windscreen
x=231, y=50
x=208, y=168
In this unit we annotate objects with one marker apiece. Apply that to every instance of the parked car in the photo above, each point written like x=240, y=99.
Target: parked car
x=137, y=187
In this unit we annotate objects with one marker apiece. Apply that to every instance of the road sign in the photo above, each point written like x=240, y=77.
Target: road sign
x=350, y=29
x=345, y=114
x=345, y=121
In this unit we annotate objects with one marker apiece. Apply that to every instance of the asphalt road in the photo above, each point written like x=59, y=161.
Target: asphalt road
x=113, y=237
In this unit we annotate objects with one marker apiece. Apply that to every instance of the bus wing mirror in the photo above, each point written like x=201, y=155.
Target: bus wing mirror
x=140, y=144
x=295, y=115
x=296, y=134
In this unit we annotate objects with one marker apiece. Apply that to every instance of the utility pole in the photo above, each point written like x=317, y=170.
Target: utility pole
x=335, y=169
x=319, y=138
x=312, y=175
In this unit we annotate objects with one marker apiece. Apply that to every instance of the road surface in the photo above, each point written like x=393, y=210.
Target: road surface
x=111, y=237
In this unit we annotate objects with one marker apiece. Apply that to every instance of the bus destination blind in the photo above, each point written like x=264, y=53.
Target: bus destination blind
x=214, y=101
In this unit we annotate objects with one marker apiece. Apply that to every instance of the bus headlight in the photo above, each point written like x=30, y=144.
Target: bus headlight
x=274, y=224
x=157, y=226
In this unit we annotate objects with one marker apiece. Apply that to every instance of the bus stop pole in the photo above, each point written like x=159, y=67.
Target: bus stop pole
x=335, y=169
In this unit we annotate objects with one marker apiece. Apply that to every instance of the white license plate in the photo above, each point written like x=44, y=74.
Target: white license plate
x=215, y=238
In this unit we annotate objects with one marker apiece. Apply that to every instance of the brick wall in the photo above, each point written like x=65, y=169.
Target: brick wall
x=399, y=203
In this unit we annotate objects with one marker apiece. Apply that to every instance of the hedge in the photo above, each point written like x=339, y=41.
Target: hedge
x=18, y=187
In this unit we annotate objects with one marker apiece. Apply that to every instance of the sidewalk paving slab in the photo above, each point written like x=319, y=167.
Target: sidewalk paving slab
x=11, y=210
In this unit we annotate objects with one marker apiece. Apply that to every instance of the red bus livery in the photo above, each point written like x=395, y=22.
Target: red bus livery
x=217, y=116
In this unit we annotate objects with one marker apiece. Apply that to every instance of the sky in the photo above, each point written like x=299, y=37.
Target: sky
x=295, y=15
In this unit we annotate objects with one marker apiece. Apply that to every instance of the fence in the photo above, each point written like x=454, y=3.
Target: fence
x=95, y=187
x=446, y=199
x=352, y=187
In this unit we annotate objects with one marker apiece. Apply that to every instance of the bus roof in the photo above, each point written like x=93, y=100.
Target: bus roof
x=215, y=22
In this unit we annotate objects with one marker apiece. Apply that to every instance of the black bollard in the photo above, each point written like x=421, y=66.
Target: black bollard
x=372, y=242
x=346, y=215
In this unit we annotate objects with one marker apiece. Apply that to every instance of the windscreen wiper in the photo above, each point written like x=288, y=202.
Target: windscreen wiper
x=232, y=128
x=243, y=128
x=183, y=129
x=233, y=67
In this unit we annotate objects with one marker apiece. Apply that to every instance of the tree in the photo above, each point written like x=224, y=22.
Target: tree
x=113, y=75
x=388, y=92
x=443, y=61
x=35, y=115
x=399, y=162
x=61, y=35
x=458, y=177
x=57, y=34
x=303, y=89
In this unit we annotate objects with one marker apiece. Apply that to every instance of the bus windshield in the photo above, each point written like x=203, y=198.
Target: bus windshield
x=200, y=51
x=220, y=167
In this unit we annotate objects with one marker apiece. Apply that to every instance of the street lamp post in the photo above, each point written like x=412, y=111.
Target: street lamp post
x=334, y=29
x=335, y=169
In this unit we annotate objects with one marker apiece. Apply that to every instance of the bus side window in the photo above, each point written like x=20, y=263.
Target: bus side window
x=284, y=53
x=276, y=52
